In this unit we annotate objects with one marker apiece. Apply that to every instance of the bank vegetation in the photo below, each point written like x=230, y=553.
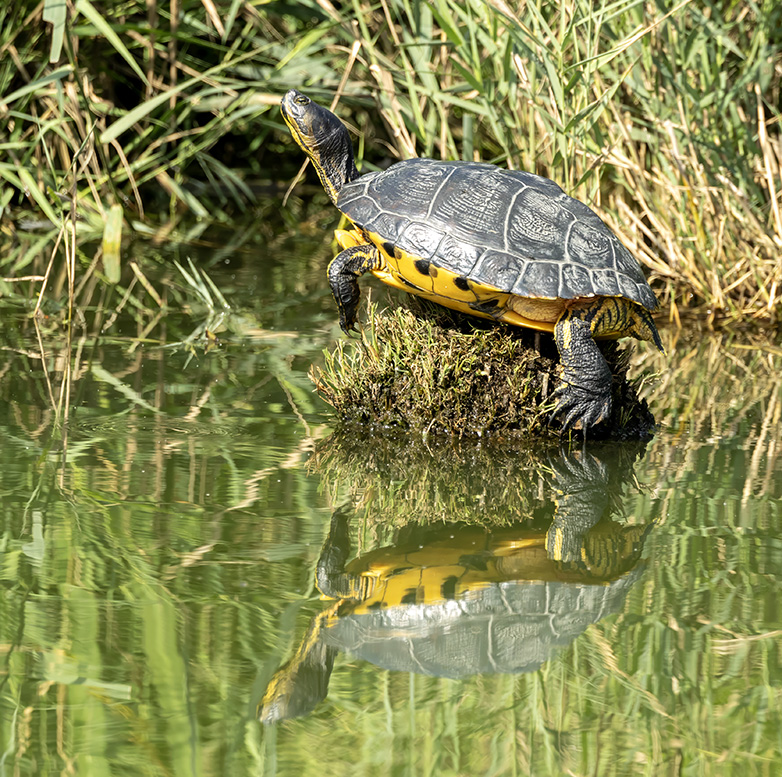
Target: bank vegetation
x=142, y=116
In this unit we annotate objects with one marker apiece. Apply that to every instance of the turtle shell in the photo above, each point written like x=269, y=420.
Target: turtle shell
x=506, y=627
x=471, y=227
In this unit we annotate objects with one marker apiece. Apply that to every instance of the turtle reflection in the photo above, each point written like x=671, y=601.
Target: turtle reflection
x=455, y=599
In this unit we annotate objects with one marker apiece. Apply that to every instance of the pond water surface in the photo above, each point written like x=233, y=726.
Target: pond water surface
x=494, y=609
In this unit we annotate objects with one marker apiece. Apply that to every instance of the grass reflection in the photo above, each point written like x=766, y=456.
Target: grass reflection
x=452, y=598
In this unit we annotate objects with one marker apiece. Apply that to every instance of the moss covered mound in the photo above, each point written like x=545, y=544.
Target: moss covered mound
x=430, y=370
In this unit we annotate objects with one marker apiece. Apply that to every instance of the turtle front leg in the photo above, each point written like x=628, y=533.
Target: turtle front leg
x=584, y=395
x=344, y=271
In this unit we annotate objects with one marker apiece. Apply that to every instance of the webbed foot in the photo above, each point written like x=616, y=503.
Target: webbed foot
x=581, y=407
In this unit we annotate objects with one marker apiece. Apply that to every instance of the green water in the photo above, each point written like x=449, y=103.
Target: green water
x=159, y=544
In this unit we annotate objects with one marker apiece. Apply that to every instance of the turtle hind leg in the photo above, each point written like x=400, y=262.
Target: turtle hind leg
x=583, y=397
x=343, y=273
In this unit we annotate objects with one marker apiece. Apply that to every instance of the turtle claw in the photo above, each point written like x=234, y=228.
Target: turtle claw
x=348, y=327
x=579, y=408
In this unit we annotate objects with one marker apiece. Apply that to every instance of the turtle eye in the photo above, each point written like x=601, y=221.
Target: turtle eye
x=301, y=99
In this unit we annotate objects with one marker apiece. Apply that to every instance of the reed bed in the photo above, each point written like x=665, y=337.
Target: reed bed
x=664, y=117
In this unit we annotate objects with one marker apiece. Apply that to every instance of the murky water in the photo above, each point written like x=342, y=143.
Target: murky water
x=495, y=610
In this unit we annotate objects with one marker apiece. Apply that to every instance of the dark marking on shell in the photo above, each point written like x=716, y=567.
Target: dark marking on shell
x=462, y=283
x=410, y=284
x=448, y=587
x=422, y=265
x=388, y=247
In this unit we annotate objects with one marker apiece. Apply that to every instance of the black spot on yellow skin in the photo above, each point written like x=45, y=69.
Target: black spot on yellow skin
x=484, y=306
x=388, y=248
x=422, y=266
x=409, y=597
x=448, y=588
x=399, y=571
x=462, y=283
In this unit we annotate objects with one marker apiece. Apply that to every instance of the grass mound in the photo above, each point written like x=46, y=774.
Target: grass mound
x=426, y=369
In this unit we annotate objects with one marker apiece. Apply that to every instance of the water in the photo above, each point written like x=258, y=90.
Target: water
x=160, y=545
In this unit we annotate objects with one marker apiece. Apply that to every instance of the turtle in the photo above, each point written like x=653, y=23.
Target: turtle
x=454, y=598
x=496, y=243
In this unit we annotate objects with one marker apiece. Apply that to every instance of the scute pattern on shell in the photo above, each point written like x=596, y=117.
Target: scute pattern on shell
x=509, y=229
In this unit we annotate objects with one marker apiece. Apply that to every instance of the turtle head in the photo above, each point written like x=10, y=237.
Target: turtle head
x=323, y=137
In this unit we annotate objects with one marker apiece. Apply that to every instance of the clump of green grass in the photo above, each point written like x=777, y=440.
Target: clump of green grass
x=435, y=372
